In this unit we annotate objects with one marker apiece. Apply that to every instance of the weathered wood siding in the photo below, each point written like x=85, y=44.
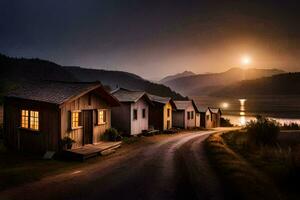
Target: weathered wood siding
x=82, y=103
x=212, y=120
x=198, y=118
x=178, y=118
x=46, y=138
x=166, y=118
x=190, y=123
x=137, y=126
x=202, y=119
x=208, y=119
x=120, y=118
x=156, y=116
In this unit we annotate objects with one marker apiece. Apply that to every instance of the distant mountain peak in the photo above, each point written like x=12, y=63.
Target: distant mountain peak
x=203, y=84
x=178, y=75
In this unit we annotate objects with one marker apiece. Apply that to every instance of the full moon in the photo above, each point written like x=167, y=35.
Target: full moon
x=245, y=60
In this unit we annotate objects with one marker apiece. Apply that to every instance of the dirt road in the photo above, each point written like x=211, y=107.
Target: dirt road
x=172, y=168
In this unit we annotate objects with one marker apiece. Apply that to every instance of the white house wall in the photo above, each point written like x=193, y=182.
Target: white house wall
x=137, y=126
x=190, y=123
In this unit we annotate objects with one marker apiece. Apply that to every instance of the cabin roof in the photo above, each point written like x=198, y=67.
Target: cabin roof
x=162, y=100
x=130, y=96
x=182, y=105
x=59, y=92
x=200, y=108
x=215, y=110
x=159, y=99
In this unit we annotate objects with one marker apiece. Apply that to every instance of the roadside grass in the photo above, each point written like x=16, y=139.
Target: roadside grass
x=240, y=179
x=279, y=162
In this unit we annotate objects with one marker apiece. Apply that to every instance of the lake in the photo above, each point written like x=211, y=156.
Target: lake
x=284, y=109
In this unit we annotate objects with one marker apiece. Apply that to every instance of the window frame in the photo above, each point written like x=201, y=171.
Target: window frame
x=34, y=120
x=28, y=119
x=104, y=117
x=78, y=121
x=25, y=118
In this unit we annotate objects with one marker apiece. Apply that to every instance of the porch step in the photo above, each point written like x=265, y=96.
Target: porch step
x=92, y=150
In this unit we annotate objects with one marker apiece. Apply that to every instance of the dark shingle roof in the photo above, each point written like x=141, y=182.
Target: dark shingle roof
x=159, y=99
x=125, y=95
x=54, y=92
x=182, y=105
x=201, y=108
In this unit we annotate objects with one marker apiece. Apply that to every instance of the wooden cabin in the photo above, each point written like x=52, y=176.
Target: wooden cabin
x=200, y=116
x=38, y=115
x=160, y=115
x=185, y=114
x=132, y=117
x=213, y=118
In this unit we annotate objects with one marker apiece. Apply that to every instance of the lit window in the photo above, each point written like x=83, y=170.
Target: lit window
x=34, y=120
x=101, y=116
x=75, y=119
x=24, y=119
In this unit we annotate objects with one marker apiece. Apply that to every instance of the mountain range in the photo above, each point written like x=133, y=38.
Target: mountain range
x=281, y=84
x=205, y=84
x=179, y=75
x=234, y=82
x=14, y=71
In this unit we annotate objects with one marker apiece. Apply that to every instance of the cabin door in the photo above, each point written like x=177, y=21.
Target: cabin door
x=168, y=124
x=87, y=127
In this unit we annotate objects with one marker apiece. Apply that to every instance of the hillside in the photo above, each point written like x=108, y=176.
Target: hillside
x=14, y=71
x=22, y=69
x=203, y=84
x=121, y=79
x=179, y=75
x=282, y=84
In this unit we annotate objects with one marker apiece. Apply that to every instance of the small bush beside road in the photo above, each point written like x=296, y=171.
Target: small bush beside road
x=111, y=134
x=263, y=131
x=225, y=122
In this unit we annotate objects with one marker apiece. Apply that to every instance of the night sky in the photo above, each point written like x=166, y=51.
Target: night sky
x=153, y=38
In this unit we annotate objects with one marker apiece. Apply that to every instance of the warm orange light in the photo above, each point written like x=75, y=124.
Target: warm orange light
x=246, y=60
x=225, y=105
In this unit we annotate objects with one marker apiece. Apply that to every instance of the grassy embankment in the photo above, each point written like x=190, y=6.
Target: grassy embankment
x=255, y=172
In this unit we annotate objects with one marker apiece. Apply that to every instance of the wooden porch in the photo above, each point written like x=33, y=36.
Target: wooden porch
x=92, y=150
